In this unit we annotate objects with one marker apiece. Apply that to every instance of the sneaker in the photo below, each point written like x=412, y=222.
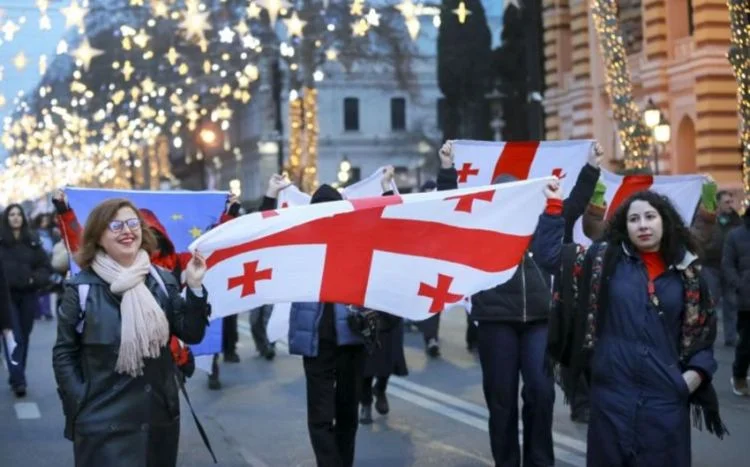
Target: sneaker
x=740, y=387
x=231, y=357
x=365, y=415
x=20, y=390
x=433, y=348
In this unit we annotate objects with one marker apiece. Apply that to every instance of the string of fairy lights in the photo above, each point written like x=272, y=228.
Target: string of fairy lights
x=634, y=135
x=133, y=77
x=739, y=57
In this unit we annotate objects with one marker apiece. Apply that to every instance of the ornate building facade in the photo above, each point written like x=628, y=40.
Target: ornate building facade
x=677, y=57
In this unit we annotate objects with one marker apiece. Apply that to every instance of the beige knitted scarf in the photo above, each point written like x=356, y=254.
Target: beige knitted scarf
x=144, y=328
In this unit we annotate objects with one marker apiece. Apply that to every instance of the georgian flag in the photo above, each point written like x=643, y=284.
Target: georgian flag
x=479, y=162
x=278, y=324
x=411, y=256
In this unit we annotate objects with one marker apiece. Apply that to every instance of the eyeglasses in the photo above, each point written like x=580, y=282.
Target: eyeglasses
x=117, y=226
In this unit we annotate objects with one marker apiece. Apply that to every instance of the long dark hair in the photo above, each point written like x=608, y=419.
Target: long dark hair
x=6, y=233
x=676, y=237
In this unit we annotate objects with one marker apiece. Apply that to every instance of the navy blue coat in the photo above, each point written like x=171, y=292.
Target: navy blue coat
x=304, y=319
x=639, y=400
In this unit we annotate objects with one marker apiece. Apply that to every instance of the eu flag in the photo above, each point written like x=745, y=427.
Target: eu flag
x=184, y=214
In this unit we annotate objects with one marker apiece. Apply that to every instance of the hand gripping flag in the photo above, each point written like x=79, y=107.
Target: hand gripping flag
x=411, y=256
x=184, y=214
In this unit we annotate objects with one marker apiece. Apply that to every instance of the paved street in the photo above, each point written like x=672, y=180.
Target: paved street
x=437, y=418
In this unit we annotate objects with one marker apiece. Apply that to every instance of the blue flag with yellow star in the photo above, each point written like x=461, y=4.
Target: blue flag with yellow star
x=184, y=214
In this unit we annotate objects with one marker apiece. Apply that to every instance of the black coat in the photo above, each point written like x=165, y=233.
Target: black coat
x=5, y=322
x=115, y=419
x=26, y=264
x=388, y=359
x=526, y=296
x=735, y=265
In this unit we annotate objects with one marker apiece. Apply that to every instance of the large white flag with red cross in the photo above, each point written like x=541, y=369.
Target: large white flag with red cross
x=412, y=255
x=479, y=162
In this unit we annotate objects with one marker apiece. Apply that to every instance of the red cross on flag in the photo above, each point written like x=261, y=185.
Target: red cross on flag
x=480, y=162
x=411, y=255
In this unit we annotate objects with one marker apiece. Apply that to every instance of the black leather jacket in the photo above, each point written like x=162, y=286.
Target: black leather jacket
x=95, y=397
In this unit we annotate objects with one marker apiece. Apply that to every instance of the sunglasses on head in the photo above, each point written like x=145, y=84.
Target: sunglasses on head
x=117, y=226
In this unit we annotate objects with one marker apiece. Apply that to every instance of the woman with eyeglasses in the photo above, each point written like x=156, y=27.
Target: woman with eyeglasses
x=113, y=367
x=28, y=270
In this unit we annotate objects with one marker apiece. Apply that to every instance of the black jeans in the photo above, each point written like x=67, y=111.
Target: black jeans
x=229, y=334
x=334, y=387
x=742, y=351
x=23, y=307
x=381, y=384
x=258, y=321
x=430, y=327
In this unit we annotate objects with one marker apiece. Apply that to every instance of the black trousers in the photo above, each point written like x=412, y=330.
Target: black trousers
x=229, y=334
x=381, y=384
x=430, y=327
x=334, y=387
x=742, y=351
x=578, y=399
x=258, y=321
x=23, y=306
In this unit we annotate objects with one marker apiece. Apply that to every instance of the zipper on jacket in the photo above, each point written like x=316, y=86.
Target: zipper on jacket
x=523, y=285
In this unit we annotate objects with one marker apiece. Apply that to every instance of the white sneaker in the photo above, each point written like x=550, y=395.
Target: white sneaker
x=740, y=388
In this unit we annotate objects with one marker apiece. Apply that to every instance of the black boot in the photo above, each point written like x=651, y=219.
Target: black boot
x=270, y=352
x=365, y=415
x=381, y=402
x=231, y=357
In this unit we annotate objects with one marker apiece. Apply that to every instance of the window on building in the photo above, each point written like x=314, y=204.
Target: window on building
x=398, y=114
x=631, y=24
x=351, y=114
x=691, y=25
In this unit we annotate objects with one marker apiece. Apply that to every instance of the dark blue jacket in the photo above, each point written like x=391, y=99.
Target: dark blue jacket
x=639, y=400
x=304, y=320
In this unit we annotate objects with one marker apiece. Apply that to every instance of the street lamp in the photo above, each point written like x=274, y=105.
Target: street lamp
x=344, y=174
x=662, y=131
x=651, y=115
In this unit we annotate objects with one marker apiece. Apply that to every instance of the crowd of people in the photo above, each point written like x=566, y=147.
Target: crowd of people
x=625, y=325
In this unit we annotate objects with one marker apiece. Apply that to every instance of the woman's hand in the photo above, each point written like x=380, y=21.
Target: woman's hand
x=446, y=155
x=195, y=271
x=552, y=190
x=276, y=184
x=596, y=155
x=387, y=180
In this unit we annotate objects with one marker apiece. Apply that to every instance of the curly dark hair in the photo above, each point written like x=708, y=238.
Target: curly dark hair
x=676, y=237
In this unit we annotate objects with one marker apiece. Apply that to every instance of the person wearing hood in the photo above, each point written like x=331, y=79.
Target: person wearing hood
x=735, y=266
x=333, y=359
x=512, y=332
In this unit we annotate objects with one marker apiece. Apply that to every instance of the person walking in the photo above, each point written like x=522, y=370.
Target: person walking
x=736, y=269
x=28, y=271
x=642, y=328
x=116, y=377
